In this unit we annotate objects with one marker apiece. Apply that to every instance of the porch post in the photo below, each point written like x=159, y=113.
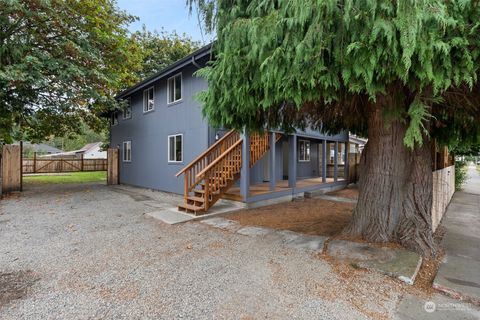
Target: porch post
x=346, y=161
x=324, y=161
x=292, y=161
x=335, y=158
x=245, y=170
x=272, y=163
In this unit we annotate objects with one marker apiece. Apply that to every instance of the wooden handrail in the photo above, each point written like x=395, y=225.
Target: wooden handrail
x=217, y=160
x=203, y=154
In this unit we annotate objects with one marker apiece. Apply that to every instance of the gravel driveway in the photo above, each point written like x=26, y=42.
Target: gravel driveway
x=89, y=252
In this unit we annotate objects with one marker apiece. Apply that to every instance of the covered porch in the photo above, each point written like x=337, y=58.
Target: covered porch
x=293, y=165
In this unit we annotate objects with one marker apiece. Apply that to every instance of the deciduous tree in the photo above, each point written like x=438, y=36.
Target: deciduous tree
x=61, y=64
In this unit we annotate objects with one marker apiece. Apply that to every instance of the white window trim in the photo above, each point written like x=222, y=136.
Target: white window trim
x=153, y=107
x=129, y=107
x=129, y=142
x=181, y=89
x=309, y=156
x=168, y=153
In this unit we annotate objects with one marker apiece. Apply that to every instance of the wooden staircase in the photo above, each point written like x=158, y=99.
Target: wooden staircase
x=213, y=172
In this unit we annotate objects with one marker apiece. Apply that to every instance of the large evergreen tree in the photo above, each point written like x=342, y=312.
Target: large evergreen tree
x=400, y=72
x=61, y=64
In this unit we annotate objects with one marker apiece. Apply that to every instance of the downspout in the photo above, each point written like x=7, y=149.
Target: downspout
x=195, y=63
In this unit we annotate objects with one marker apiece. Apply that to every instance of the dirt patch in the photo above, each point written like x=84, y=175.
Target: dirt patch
x=309, y=216
x=350, y=193
x=430, y=265
x=15, y=285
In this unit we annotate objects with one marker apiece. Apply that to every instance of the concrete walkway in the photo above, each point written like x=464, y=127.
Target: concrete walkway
x=459, y=273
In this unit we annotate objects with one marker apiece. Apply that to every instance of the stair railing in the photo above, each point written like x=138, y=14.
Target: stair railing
x=218, y=173
x=205, y=158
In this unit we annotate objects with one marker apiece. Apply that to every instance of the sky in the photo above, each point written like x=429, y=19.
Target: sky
x=169, y=14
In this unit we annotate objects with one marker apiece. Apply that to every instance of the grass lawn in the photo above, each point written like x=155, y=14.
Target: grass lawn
x=74, y=177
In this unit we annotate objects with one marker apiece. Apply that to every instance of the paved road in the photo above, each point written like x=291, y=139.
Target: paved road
x=459, y=273
x=90, y=252
x=472, y=185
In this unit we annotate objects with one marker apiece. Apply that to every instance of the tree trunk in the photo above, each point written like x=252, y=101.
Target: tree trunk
x=395, y=184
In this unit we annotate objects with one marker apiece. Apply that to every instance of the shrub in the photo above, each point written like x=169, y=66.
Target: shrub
x=460, y=174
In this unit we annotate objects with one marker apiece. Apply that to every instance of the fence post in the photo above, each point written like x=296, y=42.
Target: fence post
x=35, y=162
x=81, y=162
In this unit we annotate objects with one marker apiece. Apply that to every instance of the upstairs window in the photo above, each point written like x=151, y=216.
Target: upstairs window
x=127, y=151
x=148, y=100
x=304, y=150
x=174, y=88
x=113, y=119
x=127, y=112
x=175, y=148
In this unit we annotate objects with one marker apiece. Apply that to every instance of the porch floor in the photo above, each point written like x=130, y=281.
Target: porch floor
x=263, y=188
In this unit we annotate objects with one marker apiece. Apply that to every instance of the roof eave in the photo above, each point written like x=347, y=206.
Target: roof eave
x=200, y=53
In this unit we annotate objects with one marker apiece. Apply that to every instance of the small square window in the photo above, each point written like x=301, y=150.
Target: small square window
x=127, y=111
x=304, y=150
x=127, y=151
x=148, y=100
x=174, y=86
x=175, y=148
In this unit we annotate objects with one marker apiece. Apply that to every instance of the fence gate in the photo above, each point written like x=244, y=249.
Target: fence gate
x=11, y=168
x=113, y=166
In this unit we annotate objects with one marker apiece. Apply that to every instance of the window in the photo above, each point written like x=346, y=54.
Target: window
x=113, y=119
x=175, y=148
x=174, y=88
x=127, y=112
x=127, y=151
x=304, y=150
x=148, y=100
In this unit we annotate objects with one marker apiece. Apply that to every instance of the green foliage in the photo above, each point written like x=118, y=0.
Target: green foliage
x=160, y=49
x=460, y=174
x=77, y=141
x=418, y=113
x=329, y=63
x=61, y=62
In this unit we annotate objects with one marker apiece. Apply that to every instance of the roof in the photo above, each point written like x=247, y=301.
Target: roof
x=357, y=140
x=190, y=59
x=84, y=149
x=42, y=147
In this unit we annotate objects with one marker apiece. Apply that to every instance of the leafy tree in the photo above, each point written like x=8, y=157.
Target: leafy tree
x=400, y=72
x=160, y=49
x=61, y=63
x=78, y=140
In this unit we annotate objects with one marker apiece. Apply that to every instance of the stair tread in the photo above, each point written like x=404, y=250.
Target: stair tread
x=194, y=198
x=190, y=207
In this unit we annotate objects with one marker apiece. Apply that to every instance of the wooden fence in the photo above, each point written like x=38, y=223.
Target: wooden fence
x=37, y=165
x=443, y=190
x=10, y=168
x=113, y=176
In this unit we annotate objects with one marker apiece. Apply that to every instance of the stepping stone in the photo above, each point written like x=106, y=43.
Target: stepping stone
x=398, y=263
x=254, y=231
x=302, y=241
x=221, y=223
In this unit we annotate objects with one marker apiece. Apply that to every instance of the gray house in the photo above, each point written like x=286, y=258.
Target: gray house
x=166, y=144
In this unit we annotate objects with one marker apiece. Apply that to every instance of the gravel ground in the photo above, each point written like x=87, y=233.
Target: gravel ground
x=89, y=252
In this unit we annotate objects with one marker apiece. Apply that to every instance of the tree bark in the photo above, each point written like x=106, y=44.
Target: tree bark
x=395, y=185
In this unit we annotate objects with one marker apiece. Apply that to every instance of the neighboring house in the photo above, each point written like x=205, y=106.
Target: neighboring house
x=39, y=148
x=89, y=151
x=166, y=144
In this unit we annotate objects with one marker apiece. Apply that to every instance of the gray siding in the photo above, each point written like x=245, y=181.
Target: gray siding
x=149, y=135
